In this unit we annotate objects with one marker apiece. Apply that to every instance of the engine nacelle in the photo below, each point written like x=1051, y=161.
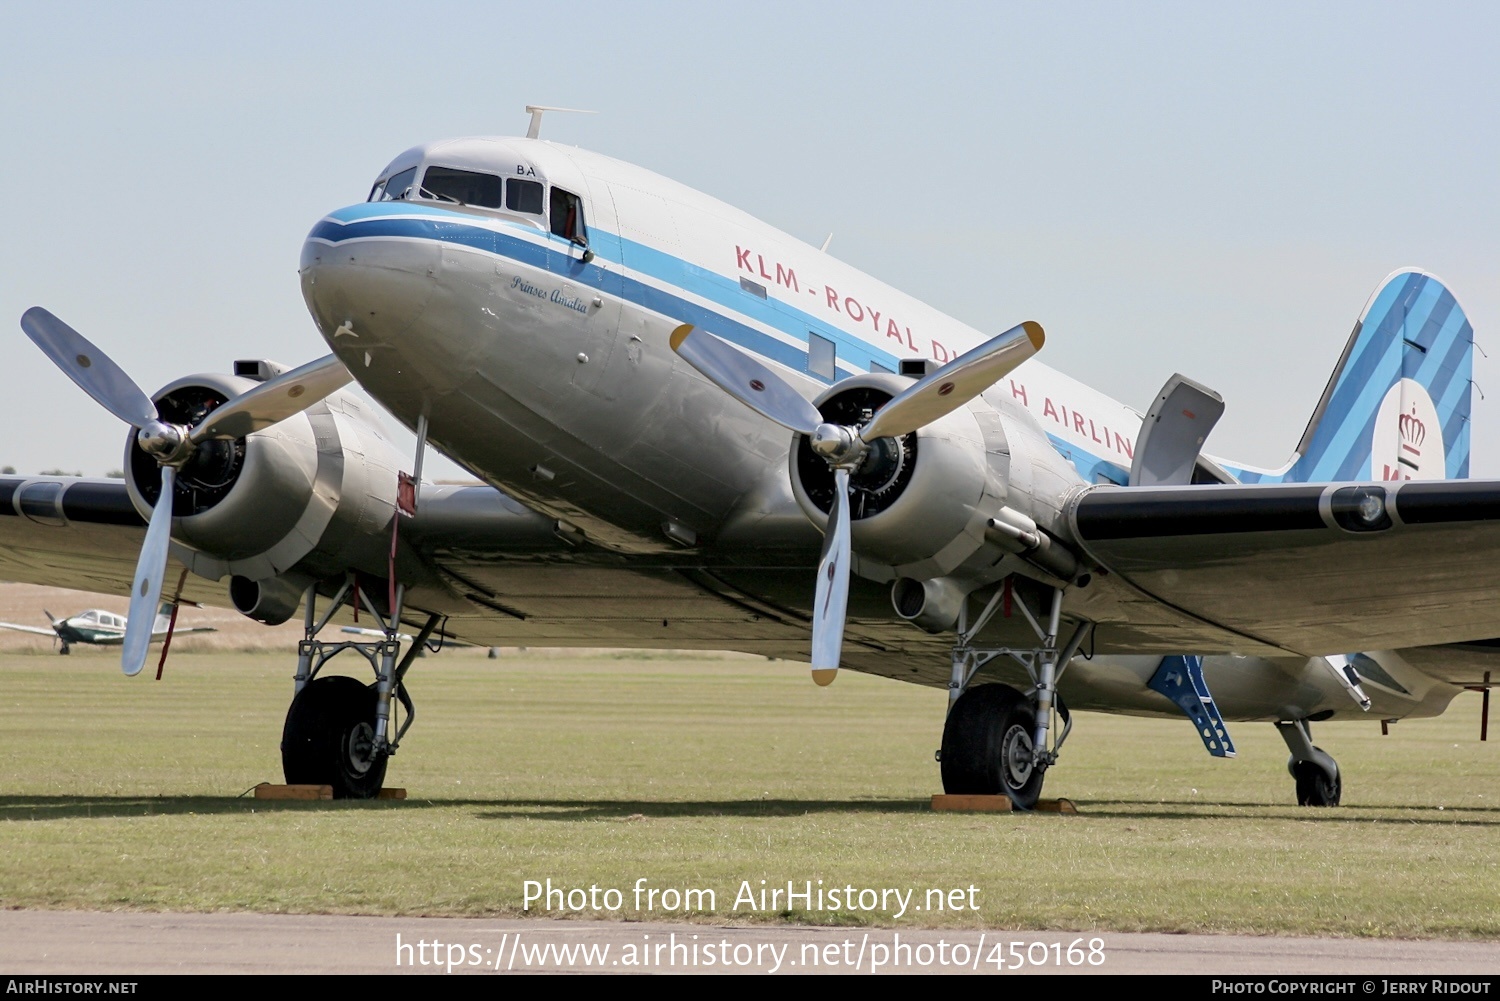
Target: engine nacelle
x=919, y=504
x=297, y=494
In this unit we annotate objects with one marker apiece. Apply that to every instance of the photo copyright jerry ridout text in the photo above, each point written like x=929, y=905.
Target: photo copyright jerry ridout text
x=751, y=896
x=1383, y=985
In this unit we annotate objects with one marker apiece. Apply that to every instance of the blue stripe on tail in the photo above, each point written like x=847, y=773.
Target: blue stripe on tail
x=1401, y=389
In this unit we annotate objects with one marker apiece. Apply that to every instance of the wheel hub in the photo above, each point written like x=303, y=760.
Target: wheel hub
x=1016, y=758
x=359, y=748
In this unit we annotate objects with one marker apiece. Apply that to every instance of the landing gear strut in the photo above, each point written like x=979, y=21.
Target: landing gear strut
x=1316, y=773
x=995, y=739
x=338, y=730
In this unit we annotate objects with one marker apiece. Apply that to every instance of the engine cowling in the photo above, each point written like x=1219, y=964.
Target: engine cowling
x=920, y=503
x=300, y=494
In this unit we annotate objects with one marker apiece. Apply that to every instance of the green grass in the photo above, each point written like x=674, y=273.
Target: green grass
x=121, y=793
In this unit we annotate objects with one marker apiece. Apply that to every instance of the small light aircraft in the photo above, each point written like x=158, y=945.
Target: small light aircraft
x=695, y=431
x=97, y=627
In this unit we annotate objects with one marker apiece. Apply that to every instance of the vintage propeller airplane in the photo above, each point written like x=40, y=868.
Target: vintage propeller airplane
x=99, y=627
x=696, y=431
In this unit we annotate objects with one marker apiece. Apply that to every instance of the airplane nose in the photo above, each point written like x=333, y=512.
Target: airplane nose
x=365, y=294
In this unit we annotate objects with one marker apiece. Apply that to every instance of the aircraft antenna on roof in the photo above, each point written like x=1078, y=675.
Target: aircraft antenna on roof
x=535, y=128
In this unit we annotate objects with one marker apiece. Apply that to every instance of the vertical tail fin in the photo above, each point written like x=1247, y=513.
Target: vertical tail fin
x=1397, y=405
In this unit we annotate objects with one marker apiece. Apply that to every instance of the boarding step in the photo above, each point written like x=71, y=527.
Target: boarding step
x=1180, y=679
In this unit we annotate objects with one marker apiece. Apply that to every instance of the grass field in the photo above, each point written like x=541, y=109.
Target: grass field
x=702, y=773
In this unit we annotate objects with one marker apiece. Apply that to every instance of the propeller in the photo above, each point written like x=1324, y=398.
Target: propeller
x=172, y=445
x=846, y=447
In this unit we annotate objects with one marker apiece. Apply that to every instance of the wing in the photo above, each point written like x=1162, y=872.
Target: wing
x=29, y=629
x=1310, y=569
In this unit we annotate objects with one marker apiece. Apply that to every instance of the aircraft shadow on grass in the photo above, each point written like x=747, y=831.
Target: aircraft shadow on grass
x=48, y=808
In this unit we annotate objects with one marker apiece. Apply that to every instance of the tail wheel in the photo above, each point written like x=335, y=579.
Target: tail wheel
x=1315, y=787
x=329, y=738
x=987, y=746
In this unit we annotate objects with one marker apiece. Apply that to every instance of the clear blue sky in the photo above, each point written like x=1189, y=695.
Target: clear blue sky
x=1206, y=188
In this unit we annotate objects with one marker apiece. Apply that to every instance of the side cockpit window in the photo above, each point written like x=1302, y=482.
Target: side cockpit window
x=463, y=187
x=395, y=188
x=567, y=217
x=524, y=196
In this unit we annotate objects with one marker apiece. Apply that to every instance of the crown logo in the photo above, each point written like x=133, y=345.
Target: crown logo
x=1413, y=433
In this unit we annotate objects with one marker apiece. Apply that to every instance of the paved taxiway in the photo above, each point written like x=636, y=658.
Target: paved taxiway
x=86, y=942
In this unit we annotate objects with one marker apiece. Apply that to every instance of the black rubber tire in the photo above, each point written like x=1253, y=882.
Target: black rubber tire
x=328, y=725
x=1315, y=787
x=985, y=729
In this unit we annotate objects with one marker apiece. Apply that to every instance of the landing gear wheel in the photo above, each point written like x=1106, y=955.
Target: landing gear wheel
x=987, y=747
x=1315, y=787
x=329, y=738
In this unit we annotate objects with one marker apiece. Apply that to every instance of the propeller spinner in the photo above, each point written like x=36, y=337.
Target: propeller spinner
x=172, y=445
x=845, y=447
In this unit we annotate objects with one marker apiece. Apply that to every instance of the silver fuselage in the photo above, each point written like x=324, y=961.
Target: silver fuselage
x=542, y=365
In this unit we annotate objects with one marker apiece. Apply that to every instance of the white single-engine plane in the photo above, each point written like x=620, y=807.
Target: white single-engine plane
x=696, y=431
x=98, y=627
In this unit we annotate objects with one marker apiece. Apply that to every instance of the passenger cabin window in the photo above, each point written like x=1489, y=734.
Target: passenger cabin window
x=820, y=356
x=465, y=187
x=395, y=188
x=524, y=196
x=567, y=217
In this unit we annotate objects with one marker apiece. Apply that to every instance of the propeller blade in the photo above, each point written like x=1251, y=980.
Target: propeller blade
x=746, y=379
x=955, y=384
x=831, y=598
x=49, y=617
x=274, y=400
x=145, y=593
x=93, y=370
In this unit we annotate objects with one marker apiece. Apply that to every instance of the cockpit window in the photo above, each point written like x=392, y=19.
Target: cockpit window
x=395, y=188
x=466, y=187
x=524, y=196
x=567, y=216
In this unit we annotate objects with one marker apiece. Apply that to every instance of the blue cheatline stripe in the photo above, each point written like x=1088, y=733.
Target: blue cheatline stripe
x=709, y=285
x=564, y=264
x=367, y=222
x=1090, y=466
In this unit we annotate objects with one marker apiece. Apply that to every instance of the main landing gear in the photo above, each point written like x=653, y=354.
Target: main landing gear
x=338, y=729
x=1316, y=773
x=995, y=739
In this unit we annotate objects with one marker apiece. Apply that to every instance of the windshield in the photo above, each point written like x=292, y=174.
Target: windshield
x=394, y=188
x=466, y=187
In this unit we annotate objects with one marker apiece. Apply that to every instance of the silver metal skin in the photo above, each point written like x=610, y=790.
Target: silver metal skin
x=843, y=447
x=150, y=569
